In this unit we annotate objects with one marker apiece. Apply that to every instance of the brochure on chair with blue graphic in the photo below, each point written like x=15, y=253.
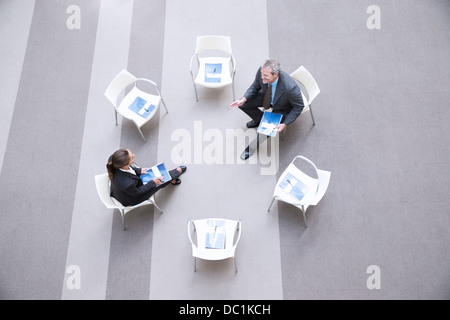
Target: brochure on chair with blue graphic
x=215, y=237
x=139, y=106
x=213, y=72
x=293, y=186
x=159, y=170
x=268, y=123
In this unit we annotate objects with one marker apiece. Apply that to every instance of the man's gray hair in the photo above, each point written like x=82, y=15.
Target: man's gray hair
x=272, y=64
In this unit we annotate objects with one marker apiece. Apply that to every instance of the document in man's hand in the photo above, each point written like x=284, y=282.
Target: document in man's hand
x=268, y=123
x=293, y=186
x=139, y=106
x=159, y=170
x=213, y=72
x=215, y=238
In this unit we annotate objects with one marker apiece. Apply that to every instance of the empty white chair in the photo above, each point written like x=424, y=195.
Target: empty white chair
x=299, y=189
x=216, y=239
x=215, y=63
x=137, y=105
x=309, y=83
x=102, y=182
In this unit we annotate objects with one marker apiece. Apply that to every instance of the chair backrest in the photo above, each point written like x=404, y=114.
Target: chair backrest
x=102, y=184
x=231, y=231
x=324, y=181
x=118, y=84
x=306, y=79
x=222, y=43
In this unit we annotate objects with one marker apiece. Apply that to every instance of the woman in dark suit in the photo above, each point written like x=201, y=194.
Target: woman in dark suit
x=126, y=184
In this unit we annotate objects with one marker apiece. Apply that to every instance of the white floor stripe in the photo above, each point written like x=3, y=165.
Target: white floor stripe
x=90, y=235
x=15, y=22
x=237, y=190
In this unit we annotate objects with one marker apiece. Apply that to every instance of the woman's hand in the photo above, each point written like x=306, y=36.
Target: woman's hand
x=158, y=180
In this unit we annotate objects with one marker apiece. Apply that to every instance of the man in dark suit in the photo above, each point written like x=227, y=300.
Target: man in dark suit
x=285, y=95
x=272, y=90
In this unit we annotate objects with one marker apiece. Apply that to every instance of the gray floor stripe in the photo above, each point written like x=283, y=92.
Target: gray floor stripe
x=90, y=233
x=15, y=21
x=382, y=126
x=45, y=137
x=130, y=254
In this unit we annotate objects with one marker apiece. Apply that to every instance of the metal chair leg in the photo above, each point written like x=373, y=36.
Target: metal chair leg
x=142, y=135
x=312, y=116
x=164, y=105
x=122, y=214
x=273, y=199
x=304, y=218
x=159, y=209
x=196, y=95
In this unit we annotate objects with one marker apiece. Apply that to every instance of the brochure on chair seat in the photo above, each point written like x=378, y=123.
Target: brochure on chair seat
x=156, y=171
x=139, y=106
x=268, y=123
x=293, y=186
x=213, y=72
x=215, y=236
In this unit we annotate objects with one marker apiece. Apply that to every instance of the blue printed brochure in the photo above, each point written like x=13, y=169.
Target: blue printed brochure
x=293, y=187
x=156, y=171
x=268, y=123
x=215, y=238
x=213, y=72
x=138, y=106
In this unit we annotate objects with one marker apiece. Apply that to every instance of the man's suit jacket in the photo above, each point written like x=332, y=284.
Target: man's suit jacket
x=128, y=188
x=287, y=100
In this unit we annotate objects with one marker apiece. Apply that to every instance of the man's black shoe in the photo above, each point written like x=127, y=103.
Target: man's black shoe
x=252, y=124
x=246, y=154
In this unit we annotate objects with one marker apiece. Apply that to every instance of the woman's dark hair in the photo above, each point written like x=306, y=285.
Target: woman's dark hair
x=119, y=159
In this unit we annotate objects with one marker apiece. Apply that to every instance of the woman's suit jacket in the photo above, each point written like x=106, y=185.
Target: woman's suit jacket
x=128, y=189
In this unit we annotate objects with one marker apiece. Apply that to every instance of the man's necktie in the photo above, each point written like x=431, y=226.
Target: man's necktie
x=267, y=97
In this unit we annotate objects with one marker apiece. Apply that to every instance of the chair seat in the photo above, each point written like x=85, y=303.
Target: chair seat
x=124, y=107
x=102, y=183
x=299, y=189
x=224, y=76
x=200, y=251
x=310, y=183
x=127, y=209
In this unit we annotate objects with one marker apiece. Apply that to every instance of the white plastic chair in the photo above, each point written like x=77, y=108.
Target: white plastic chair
x=313, y=189
x=309, y=83
x=119, y=84
x=232, y=230
x=102, y=182
x=209, y=53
